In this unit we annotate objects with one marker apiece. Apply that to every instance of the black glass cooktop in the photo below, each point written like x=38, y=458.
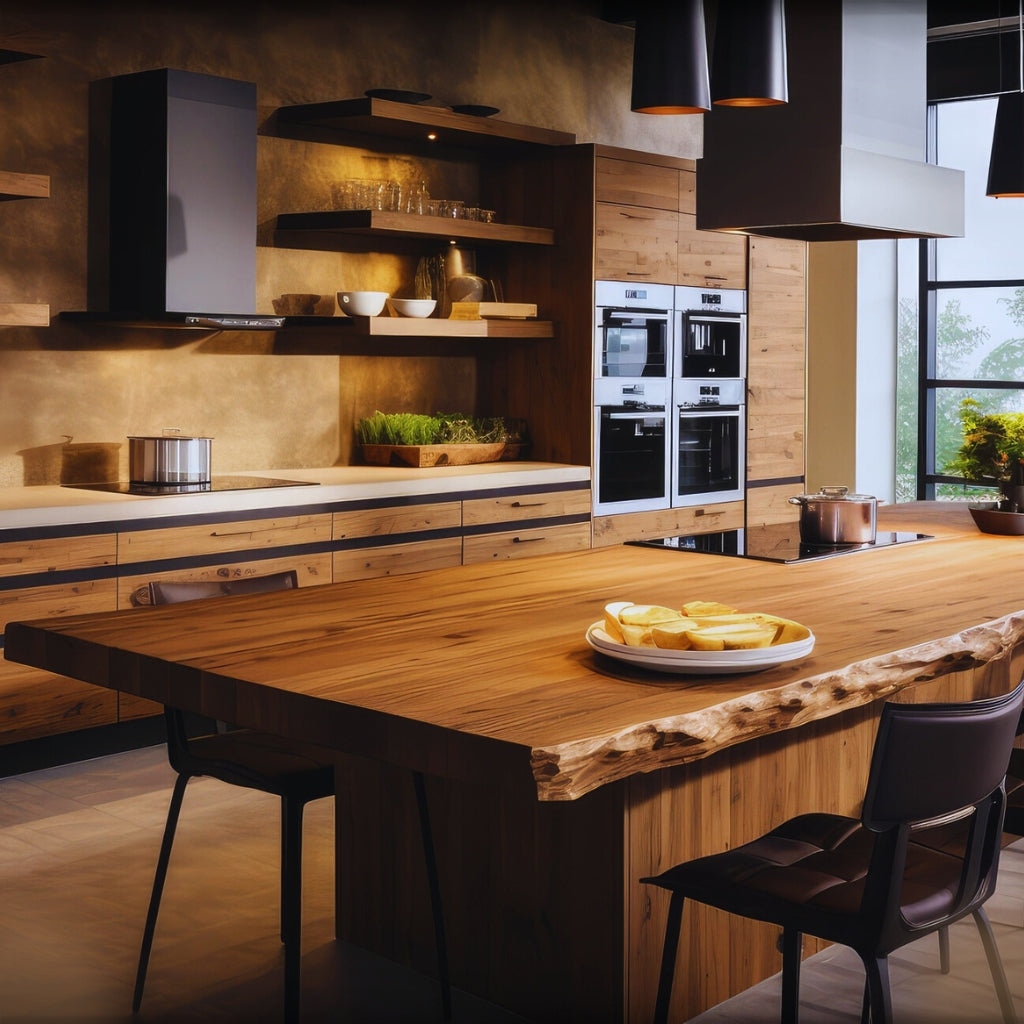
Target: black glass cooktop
x=217, y=483
x=779, y=542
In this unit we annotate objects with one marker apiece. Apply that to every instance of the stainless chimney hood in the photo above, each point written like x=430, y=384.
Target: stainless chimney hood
x=845, y=158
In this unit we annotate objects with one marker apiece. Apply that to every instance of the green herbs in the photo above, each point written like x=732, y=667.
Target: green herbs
x=419, y=429
x=993, y=445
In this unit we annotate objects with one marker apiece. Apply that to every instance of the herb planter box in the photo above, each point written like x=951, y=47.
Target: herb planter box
x=421, y=456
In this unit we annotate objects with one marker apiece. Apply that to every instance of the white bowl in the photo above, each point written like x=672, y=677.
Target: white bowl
x=412, y=307
x=362, y=303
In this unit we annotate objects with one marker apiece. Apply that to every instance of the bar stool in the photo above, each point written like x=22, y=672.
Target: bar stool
x=296, y=772
x=867, y=883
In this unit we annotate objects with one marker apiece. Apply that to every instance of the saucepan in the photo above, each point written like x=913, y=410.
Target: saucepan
x=834, y=516
x=170, y=458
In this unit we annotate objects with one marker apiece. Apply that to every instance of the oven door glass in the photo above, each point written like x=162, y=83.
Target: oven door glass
x=711, y=346
x=632, y=464
x=709, y=455
x=633, y=345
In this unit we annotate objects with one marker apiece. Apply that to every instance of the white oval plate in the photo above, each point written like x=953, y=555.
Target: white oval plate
x=709, y=663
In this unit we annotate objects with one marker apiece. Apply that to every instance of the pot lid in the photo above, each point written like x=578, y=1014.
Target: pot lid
x=834, y=493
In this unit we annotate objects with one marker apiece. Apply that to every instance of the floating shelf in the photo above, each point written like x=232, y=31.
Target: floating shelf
x=10, y=56
x=14, y=185
x=315, y=230
x=24, y=314
x=429, y=327
x=417, y=123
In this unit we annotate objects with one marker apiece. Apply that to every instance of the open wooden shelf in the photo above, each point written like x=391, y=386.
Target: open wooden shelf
x=316, y=230
x=415, y=123
x=15, y=185
x=431, y=327
x=24, y=314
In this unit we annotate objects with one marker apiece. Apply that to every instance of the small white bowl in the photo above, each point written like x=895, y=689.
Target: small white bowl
x=362, y=303
x=412, y=307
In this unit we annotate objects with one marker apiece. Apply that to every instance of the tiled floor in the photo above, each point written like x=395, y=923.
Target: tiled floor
x=77, y=850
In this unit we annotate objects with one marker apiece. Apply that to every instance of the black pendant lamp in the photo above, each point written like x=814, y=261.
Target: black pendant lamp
x=1006, y=164
x=670, y=59
x=748, y=67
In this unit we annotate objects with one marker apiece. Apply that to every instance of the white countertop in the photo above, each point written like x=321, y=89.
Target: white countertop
x=22, y=507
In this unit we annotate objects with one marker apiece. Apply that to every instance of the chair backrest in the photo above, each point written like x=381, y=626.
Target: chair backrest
x=936, y=769
x=177, y=591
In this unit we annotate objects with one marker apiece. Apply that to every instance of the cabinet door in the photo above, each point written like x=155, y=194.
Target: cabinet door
x=634, y=243
x=777, y=352
x=544, y=540
x=710, y=259
x=35, y=703
x=637, y=184
x=397, y=559
x=211, y=538
x=512, y=508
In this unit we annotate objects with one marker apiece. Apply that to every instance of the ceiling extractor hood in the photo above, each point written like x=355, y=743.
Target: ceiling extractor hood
x=845, y=158
x=172, y=206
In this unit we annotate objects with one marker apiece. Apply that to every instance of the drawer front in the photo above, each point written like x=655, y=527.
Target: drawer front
x=635, y=184
x=511, y=508
x=490, y=547
x=210, y=538
x=672, y=522
x=34, y=703
x=636, y=244
x=397, y=559
x=22, y=558
x=389, y=522
x=56, y=599
x=312, y=570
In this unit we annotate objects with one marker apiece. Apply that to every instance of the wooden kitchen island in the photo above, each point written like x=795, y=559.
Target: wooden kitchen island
x=558, y=777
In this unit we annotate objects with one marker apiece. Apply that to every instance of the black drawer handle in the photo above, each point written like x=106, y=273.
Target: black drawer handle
x=527, y=504
x=526, y=540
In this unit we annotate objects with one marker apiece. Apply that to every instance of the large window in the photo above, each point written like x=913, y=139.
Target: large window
x=962, y=327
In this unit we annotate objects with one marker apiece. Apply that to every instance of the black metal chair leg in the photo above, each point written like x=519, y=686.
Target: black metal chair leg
x=173, y=810
x=792, y=944
x=668, y=959
x=944, y=949
x=291, y=905
x=995, y=965
x=877, y=970
x=430, y=857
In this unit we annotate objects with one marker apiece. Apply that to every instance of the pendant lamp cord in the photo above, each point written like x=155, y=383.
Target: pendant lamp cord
x=1020, y=45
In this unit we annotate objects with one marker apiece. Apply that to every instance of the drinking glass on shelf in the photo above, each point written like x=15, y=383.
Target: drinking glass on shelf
x=487, y=216
x=416, y=198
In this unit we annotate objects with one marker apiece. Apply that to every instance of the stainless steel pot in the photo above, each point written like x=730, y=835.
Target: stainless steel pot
x=169, y=459
x=834, y=516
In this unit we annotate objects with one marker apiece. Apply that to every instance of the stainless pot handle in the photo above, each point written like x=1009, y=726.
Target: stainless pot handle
x=835, y=492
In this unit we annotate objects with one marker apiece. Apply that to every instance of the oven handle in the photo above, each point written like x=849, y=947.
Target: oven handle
x=651, y=414
x=704, y=410
x=613, y=316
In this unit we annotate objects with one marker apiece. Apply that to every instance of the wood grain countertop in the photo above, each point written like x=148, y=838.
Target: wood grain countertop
x=483, y=669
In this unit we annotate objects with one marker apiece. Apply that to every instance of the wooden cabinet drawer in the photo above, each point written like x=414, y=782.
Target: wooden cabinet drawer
x=388, y=522
x=710, y=258
x=34, y=703
x=769, y=505
x=56, y=554
x=636, y=243
x=545, y=540
x=396, y=559
x=210, y=538
x=133, y=590
x=56, y=599
x=511, y=508
x=636, y=184
x=672, y=522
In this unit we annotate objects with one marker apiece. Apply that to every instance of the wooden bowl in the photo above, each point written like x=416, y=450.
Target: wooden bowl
x=992, y=520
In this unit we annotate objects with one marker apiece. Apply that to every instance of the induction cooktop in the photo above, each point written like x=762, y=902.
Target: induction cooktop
x=778, y=542
x=217, y=483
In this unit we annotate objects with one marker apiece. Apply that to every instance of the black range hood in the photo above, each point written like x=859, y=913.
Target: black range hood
x=172, y=232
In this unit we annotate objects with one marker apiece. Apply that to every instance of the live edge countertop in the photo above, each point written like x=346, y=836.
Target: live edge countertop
x=44, y=506
x=482, y=669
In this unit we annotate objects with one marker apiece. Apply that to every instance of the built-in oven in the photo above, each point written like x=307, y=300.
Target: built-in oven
x=708, y=441
x=710, y=332
x=631, y=446
x=633, y=330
